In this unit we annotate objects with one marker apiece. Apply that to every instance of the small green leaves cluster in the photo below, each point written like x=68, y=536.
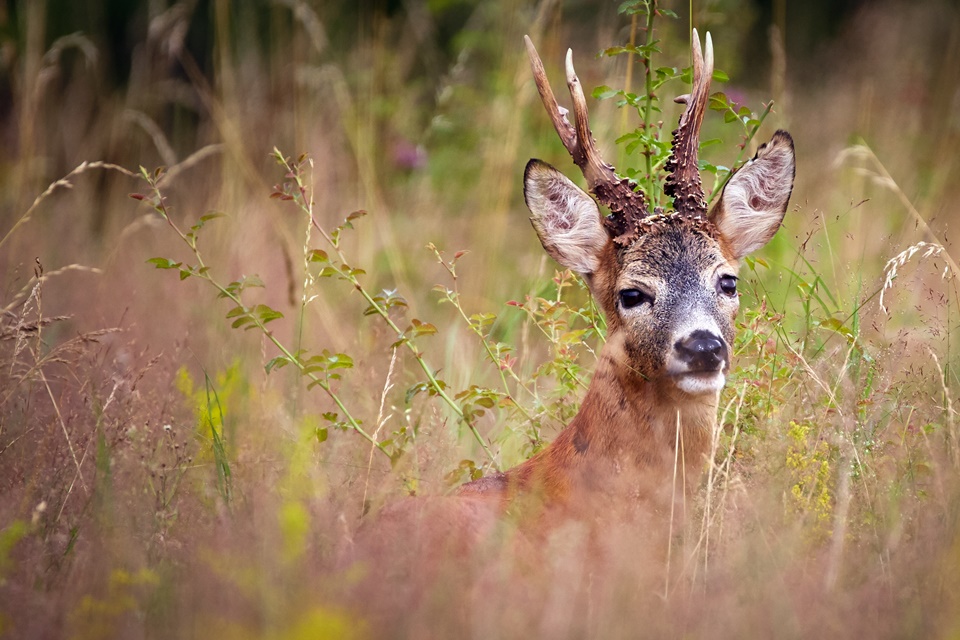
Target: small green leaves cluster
x=294, y=189
x=328, y=269
x=255, y=316
x=808, y=459
x=570, y=328
x=649, y=138
x=322, y=366
x=324, y=369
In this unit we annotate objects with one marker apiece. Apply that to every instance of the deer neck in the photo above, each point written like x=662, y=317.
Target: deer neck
x=629, y=441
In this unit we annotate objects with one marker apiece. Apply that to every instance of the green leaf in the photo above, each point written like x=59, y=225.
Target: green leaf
x=265, y=314
x=352, y=271
x=326, y=272
x=318, y=255
x=277, y=363
x=205, y=218
x=339, y=361
x=321, y=434
x=421, y=328
x=237, y=286
x=163, y=263
x=240, y=322
x=482, y=320
x=666, y=73
x=603, y=92
x=719, y=101
x=486, y=402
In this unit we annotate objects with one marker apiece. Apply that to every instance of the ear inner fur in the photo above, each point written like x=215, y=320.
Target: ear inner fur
x=755, y=199
x=566, y=219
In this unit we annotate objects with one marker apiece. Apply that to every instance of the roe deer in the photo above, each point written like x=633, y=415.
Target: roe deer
x=667, y=284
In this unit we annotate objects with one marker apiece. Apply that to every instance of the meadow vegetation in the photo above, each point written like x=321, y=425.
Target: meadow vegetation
x=266, y=268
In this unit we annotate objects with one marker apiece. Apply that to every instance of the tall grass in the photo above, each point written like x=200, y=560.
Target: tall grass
x=166, y=474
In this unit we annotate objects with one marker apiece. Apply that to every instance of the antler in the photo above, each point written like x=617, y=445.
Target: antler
x=626, y=205
x=683, y=183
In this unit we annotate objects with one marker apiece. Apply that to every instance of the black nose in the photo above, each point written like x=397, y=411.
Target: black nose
x=702, y=351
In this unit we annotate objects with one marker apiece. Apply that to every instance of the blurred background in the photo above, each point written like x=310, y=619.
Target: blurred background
x=423, y=113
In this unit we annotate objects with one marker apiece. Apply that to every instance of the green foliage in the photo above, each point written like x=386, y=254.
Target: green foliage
x=809, y=460
x=209, y=409
x=10, y=535
x=838, y=438
x=100, y=616
x=649, y=139
x=571, y=323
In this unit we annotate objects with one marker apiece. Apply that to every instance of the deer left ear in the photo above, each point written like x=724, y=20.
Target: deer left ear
x=566, y=219
x=755, y=199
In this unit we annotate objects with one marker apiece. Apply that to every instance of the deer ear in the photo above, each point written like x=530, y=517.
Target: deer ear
x=566, y=219
x=754, y=201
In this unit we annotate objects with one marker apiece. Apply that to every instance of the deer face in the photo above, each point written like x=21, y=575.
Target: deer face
x=667, y=283
x=674, y=299
x=670, y=293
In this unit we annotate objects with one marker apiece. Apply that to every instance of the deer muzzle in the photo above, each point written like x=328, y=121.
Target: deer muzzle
x=699, y=361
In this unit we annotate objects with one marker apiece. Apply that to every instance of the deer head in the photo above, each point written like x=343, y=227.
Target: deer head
x=667, y=282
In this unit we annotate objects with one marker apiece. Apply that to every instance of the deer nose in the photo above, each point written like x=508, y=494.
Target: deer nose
x=702, y=351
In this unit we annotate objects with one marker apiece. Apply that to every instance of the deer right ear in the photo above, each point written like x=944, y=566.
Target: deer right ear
x=566, y=219
x=755, y=199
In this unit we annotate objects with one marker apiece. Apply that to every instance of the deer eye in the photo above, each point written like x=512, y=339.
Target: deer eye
x=727, y=285
x=630, y=298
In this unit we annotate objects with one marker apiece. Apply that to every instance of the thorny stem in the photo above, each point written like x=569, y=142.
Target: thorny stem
x=648, y=98
x=628, y=76
x=304, y=201
x=203, y=272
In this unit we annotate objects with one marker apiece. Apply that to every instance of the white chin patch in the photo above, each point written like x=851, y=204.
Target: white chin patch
x=701, y=383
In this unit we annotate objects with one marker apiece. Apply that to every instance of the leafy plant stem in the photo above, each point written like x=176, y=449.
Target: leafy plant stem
x=648, y=99
x=304, y=202
x=204, y=272
x=501, y=367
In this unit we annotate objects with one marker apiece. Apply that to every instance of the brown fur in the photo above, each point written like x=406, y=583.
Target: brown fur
x=618, y=455
x=637, y=429
x=627, y=461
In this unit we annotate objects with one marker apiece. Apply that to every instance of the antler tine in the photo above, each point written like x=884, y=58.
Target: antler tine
x=683, y=183
x=626, y=205
x=595, y=170
x=568, y=135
